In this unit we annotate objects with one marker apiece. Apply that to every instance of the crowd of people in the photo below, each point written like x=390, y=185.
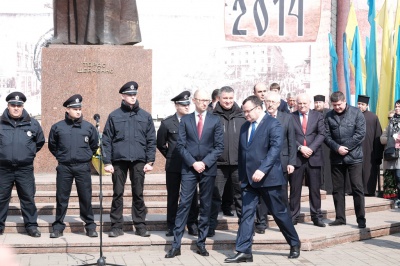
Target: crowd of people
x=249, y=155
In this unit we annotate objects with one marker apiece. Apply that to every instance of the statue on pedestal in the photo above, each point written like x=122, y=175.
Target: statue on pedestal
x=96, y=22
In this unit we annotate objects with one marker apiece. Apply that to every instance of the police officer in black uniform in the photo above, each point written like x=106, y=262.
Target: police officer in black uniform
x=167, y=136
x=21, y=137
x=129, y=142
x=73, y=141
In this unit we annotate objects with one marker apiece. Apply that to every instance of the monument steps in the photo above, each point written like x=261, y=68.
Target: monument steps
x=382, y=219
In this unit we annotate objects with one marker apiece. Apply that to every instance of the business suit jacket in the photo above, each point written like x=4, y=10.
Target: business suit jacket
x=262, y=153
x=289, y=148
x=207, y=149
x=315, y=135
x=283, y=107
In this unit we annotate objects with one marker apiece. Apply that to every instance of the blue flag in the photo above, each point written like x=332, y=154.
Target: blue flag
x=372, y=85
x=356, y=60
x=334, y=61
x=346, y=69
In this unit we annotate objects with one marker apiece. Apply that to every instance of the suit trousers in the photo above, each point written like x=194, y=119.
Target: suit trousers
x=313, y=176
x=83, y=180
x=24, y=181
x=188, y=190
x=338, y=180
x=262, y=209
x=274, y=197
x=173, y=182
x=225, y=173
x=136, y=175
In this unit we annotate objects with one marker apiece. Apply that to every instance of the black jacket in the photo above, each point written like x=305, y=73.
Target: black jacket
x=167, y=135
x=231, y=126
x=73, y=141
x=20, y=139
x=129, y=136
x=348, y=132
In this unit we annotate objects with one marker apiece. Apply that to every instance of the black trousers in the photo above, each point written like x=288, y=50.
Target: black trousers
x=354, y=172
x=225, y=173
x=24, y=180
x=136, y=174
x=83, y=181
x=313, y=177
x=173, y=182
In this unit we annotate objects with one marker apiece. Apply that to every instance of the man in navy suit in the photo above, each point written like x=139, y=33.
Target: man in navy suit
x=200, y=143
x=310, y=134
x=261, y=174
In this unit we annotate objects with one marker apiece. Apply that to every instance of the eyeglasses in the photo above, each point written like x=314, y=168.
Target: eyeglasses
x=202, y=100
x=246, y=112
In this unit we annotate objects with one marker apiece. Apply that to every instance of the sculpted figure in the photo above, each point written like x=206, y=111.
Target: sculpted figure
x=96, y=22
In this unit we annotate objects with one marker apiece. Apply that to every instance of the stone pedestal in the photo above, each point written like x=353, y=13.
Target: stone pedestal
x=96, y=72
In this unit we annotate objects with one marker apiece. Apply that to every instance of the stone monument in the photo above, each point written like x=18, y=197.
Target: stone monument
x=94, y=71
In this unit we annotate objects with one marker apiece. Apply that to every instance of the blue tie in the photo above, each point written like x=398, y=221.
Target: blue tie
x=253, y=128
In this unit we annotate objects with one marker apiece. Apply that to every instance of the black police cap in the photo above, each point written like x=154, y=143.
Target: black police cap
x=17, y=98
x=75, y=101
x=130, y=87
x=182, y=98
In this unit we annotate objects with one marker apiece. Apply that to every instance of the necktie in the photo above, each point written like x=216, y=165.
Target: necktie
x=304, y=126
x=253, y=128
x=200, y=126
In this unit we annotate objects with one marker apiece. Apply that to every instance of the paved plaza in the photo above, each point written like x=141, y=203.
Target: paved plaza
x=378, y=251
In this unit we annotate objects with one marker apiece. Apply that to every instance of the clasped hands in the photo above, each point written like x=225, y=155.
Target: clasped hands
x=199, y=167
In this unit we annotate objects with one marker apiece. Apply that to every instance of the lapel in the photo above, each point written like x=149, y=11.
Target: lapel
x=296, y=115
x=175, y=121
x=193, y=123
x=257, y=130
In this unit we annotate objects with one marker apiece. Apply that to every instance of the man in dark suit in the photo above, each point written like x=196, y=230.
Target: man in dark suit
x=287, y=155
x=310, y=134
x=167, y=135
x=200, y=143
x=260, y=173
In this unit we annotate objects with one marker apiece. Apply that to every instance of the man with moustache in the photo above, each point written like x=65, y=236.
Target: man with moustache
x=261, y=175
x=232, y=119
x=167, y=135
x=200, y=144
x=21, y=137
x=73, y=141
x=283, y=106
x=129, y=143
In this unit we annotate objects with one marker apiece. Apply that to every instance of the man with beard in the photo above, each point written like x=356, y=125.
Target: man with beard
x=371, y=146
x=129, y=142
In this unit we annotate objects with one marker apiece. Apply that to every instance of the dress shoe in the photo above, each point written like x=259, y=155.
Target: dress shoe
x=193, y=231
x=362, y=225
x=1, y=231
x=170, y=232
x=260, y=231
x=228, y=213
x=202, y=251
x=33, y=232
x=294, y=222
x=56, y=234
x=211, y=233
x=294, y=252
x=240, y=257
x=173, y=252
x=319, y=223
x=91, y=233
x=142, y=232
x=115, y=232
x=336, y=223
